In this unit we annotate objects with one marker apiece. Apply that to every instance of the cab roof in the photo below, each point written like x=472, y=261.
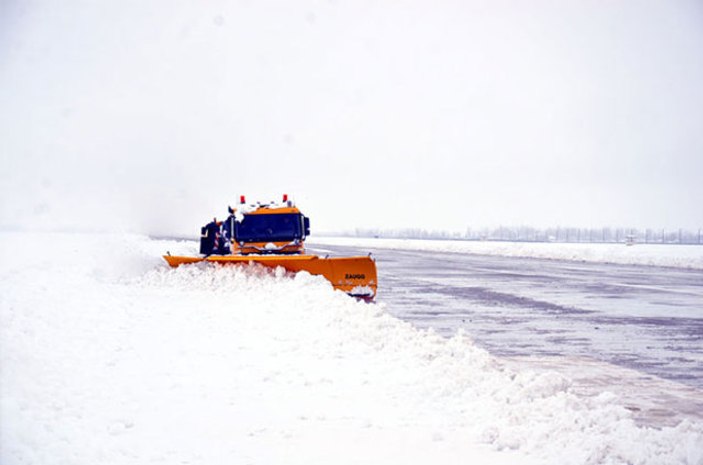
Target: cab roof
x=266, y=210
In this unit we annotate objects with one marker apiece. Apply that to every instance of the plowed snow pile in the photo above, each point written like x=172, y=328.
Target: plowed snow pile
x=110, y=357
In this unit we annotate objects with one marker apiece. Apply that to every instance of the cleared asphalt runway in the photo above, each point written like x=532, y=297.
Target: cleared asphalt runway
x=649, y=319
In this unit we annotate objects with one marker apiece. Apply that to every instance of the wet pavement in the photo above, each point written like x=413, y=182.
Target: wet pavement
x=643, y=318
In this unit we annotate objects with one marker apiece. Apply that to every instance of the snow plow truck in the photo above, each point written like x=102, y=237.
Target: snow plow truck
x=274, y=235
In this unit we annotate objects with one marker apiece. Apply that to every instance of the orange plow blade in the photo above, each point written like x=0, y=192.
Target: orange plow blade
x=354, y=275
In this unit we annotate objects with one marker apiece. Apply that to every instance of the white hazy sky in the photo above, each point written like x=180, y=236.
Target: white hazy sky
x=153, y=116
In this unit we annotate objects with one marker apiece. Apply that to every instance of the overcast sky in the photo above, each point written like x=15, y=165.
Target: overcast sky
x=154, y=116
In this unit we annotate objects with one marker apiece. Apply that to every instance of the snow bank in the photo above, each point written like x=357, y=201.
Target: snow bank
x=108, y=356
x=680, y=256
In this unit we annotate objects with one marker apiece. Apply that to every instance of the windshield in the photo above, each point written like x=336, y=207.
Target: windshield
x=268, y=228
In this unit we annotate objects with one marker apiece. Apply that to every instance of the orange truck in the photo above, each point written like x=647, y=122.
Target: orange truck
x=274, y=235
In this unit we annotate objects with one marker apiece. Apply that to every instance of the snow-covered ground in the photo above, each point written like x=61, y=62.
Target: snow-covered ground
x=684, y=256
x=108, y=356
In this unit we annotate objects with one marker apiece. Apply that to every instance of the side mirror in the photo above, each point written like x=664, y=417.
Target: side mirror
x=306, y=223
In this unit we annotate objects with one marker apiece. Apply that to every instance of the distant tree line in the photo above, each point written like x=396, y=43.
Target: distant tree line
x=530, y=234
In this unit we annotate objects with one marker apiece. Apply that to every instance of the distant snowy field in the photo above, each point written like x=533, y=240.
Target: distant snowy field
x=683, y=256
x=107, y=356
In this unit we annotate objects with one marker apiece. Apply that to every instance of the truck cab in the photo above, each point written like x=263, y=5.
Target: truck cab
x=270, y=230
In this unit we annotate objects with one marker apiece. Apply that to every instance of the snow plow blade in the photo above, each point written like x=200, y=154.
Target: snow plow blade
x=354, y=275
